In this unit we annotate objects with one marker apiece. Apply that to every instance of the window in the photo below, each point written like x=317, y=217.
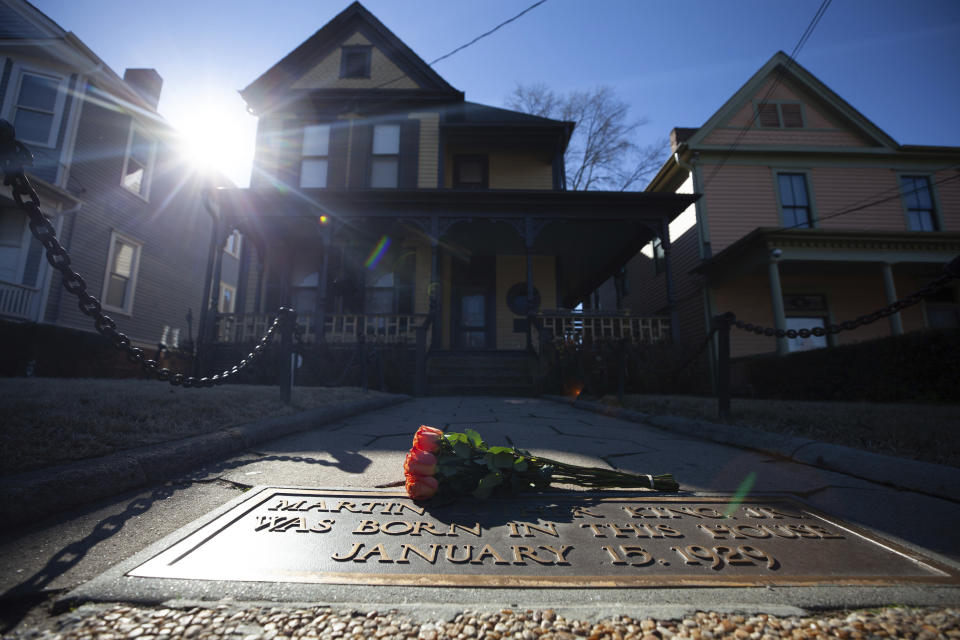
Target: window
x=794, y=201
x=355, y=62
x=918, y=201
x=659, y=257
x=385, y=163
x=470, y=172
x=316, y=156
x=805, y=311
x=232, y=246
x=138, y=164
x=37, y=108
x=776, y=115
x=228, y=298
x=121, y=277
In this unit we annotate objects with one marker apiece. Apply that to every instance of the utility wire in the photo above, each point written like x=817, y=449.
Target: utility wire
x=464, y=46
x=779, y=77
x=854, y=208
x=484, y=35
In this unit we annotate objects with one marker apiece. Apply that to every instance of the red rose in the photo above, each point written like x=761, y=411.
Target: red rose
x=420, y=463
x=421, y=487
x=427, y=438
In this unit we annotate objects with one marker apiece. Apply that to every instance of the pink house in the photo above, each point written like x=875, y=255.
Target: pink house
x=810, y=214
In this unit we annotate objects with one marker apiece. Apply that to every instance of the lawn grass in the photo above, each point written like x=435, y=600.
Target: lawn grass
x=919, y=431
x=48, y=421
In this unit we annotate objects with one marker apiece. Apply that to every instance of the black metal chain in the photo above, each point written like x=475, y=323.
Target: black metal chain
x=951, y=272
x=13, y=156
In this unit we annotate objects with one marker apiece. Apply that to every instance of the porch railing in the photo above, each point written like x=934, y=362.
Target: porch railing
x=589, y=326
x=338, y=327
x=18, y=301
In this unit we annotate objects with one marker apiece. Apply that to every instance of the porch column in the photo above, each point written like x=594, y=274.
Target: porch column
x=776, y=298
x=528, y=245
x=896, y=322
x=434, y=289
x=668, y=280
x=320, y=313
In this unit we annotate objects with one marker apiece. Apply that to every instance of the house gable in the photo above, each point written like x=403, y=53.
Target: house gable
x=316, y=67
x=802, y=112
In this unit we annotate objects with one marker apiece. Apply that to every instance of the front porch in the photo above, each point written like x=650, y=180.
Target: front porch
x=559, y=325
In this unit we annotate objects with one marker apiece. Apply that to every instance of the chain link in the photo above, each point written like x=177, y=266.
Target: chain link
x=12, y=159
x=951, y=272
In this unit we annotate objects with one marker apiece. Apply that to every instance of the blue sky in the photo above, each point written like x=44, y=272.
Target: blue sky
x=675, y=63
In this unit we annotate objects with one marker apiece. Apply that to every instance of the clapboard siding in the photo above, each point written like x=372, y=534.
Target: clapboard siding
x=948, y=197
x=738, y=199
x=836, y=190
x=172, y=226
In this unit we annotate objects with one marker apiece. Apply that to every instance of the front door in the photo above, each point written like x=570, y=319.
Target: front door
x=472, y=312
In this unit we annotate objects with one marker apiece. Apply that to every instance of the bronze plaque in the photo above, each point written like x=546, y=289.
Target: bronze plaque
x=548, y=540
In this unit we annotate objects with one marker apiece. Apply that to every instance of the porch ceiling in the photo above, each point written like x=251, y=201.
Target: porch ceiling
x=818, y=251
x=592, y=233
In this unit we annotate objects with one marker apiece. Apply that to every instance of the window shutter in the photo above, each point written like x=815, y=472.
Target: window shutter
x=792, y=115
x=360, y=151
x=337, y=167
x=409, y=154
x=768, y=115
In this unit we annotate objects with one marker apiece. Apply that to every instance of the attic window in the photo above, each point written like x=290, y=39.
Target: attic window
x=777, y=115
x=355, y=62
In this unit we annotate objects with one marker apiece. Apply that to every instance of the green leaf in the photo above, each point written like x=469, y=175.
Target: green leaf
x=520, y=465
x=500, y=450
x=486, y=485
x=475, y=440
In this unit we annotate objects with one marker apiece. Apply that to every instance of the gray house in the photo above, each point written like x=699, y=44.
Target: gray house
x=129, y=211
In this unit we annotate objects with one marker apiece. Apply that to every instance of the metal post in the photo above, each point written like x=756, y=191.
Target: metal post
x=723, y=365
x=420, y=382
x=363, y=360
x=621, y=369
x=288, y=321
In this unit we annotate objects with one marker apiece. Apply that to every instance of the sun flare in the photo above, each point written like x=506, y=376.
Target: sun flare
x=218, y=138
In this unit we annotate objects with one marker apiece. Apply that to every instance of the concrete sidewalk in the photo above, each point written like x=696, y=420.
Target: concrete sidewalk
x=62, y=554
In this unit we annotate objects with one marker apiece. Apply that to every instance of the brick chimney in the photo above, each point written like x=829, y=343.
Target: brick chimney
x=146, y=82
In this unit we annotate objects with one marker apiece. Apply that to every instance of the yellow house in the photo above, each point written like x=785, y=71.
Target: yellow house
x=382, y=201
x=810, y=215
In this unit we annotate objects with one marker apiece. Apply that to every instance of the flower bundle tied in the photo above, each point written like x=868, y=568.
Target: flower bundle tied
x=458, y=464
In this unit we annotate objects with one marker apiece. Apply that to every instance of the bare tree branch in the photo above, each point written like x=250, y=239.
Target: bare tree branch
x=601, y=153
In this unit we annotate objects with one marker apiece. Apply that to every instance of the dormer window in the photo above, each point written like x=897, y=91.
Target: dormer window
x=355, y=62
x=780, y=115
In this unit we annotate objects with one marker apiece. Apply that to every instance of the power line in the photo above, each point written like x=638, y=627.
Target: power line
x=859, y=207
x=779, y=77
x=484, y=35
x=464, y=46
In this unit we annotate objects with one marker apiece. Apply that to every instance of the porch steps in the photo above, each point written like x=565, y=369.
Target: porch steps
x=499, y=373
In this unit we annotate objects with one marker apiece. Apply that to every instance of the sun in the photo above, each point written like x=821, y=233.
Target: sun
x=217, y=136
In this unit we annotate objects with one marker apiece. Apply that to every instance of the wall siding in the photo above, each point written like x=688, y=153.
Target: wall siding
x=507, y=169
x=510, y=270
x=739, y=199
x=429, y=149
x=174, y=231
x=384, y=74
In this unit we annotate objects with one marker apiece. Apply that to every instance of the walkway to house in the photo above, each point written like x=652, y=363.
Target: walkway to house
x=62, y=555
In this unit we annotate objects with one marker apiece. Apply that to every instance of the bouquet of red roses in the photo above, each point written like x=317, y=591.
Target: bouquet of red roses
x=452, y=464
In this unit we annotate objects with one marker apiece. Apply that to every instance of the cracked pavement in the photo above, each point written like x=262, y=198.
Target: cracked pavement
x=366, y=451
